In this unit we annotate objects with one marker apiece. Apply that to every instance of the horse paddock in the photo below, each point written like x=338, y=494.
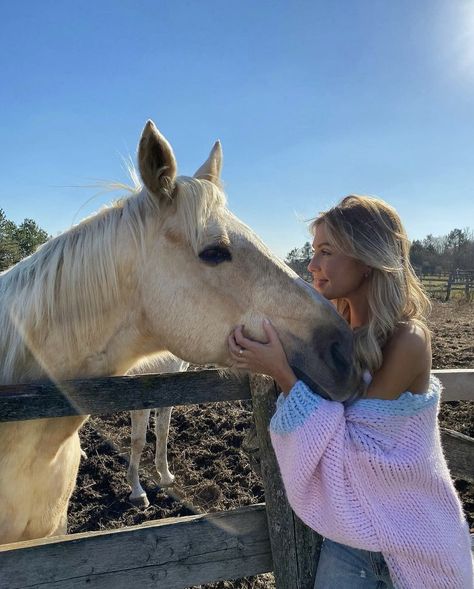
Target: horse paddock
x=212, y=470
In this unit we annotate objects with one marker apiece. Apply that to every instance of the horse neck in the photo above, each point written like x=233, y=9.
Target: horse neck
x=70, y=308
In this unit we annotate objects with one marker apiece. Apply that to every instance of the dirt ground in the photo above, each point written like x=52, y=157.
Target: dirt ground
x=212, y=471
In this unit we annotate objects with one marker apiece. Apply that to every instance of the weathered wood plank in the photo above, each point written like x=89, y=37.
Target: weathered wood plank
x=458, y=384
x=295, y=547
x=100, y=396
x=279, y=513
x=171, y=554
x=459, y=452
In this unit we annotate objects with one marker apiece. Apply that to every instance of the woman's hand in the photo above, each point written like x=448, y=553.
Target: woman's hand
x=268, y=358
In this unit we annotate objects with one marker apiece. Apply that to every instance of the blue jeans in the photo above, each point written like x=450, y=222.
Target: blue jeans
x=343, y=567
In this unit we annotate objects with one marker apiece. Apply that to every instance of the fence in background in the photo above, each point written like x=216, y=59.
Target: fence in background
x=456, y=284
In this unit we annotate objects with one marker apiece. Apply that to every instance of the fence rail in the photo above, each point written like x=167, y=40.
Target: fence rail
x=443, y=285
x=102, y=396
x=177, y=553
x=168, y=554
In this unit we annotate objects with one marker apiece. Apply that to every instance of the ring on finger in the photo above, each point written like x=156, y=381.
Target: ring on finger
x=241, y=351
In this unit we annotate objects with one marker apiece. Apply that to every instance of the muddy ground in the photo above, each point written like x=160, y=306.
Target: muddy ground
x=212, y=472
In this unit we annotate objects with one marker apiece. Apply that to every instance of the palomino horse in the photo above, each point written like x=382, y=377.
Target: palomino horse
x=168, y=268
x=161, y=363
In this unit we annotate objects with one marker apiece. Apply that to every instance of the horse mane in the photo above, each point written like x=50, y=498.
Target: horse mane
x=70, y=281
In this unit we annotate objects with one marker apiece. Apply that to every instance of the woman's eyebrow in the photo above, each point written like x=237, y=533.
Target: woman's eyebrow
x=325, y=243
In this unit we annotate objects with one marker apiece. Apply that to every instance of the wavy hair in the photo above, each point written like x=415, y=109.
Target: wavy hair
x=370, y=231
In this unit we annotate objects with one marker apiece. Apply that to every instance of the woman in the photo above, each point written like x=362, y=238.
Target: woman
x=369, y=475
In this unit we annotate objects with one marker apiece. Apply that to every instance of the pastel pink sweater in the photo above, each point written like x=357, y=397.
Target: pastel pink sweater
x=372, y=475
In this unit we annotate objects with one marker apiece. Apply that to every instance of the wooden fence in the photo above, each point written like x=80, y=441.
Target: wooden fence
x=444, y=286
x=180, y=552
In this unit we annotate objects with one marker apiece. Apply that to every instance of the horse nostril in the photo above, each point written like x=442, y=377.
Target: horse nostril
x=340, y=362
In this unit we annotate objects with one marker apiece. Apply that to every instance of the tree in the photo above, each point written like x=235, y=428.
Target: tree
x=457, y=244
x=298, y=260
x=29, y=236
x=416, y=254
x=9, y=250
x=16, y=242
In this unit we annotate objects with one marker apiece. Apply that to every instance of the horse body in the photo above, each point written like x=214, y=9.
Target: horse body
x=169, y=268
x=37, y=465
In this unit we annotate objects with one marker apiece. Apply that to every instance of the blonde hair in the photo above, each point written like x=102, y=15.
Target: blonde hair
x=370, y=231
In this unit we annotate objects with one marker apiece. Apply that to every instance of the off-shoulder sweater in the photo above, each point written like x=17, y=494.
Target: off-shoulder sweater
x=372, y=475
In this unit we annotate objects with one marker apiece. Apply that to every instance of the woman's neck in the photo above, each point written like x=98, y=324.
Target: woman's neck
x=358, y=309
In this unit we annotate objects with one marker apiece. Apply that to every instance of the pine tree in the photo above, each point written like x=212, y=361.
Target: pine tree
x=16, y=242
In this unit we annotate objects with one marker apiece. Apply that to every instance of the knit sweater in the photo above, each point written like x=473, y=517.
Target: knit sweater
x=372, y=475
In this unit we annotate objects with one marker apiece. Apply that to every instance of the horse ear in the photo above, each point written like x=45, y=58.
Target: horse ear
x=211, y=168
x=156, y=161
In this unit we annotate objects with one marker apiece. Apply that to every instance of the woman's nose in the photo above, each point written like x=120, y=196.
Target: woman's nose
x=312, y=266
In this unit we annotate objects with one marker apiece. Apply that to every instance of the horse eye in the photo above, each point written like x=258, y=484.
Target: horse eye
x=215, y=255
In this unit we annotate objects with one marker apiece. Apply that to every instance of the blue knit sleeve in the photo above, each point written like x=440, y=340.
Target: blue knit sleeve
x=293, y=409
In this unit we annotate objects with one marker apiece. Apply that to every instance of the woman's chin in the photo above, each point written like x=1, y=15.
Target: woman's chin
x=323, y=292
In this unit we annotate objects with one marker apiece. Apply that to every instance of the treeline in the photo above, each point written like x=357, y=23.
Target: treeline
x=18, y=241
x=431, y=255
x=438, y=255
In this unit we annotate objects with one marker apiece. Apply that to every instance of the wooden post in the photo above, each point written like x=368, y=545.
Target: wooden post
x=295, y=547
x=451, y=279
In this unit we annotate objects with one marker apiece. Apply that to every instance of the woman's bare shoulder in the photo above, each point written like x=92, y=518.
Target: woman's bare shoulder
x=414, y=327
x=406, y=362
x=412, y=336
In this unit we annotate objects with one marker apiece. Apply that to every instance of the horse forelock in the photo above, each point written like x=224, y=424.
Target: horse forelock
x=200, y=207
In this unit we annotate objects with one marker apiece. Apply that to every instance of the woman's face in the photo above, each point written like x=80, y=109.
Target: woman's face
x=335, y=275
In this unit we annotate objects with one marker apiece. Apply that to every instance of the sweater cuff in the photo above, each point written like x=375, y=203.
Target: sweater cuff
x=293, y=409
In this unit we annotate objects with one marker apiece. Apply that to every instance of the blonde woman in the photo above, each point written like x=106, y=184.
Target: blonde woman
x=369, y=474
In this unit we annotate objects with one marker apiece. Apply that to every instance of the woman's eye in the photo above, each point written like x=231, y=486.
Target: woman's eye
x=215, y=255
x=325, y=253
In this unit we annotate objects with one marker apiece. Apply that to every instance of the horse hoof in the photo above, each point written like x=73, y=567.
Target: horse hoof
x=139, y=501
x=167, y=482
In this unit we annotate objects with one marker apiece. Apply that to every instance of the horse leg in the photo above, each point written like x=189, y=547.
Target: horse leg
x=162, y=426
x=139, y=424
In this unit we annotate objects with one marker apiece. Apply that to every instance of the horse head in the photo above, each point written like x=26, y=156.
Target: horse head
x=204, y=272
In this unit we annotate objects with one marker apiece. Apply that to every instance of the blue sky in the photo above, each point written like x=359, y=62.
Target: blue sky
x=312, y=100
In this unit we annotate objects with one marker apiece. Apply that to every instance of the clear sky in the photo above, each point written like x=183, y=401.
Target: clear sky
x=312, y=100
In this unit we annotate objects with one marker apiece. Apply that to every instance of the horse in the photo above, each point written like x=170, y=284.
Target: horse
x=166, y=268
x=161, y=363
